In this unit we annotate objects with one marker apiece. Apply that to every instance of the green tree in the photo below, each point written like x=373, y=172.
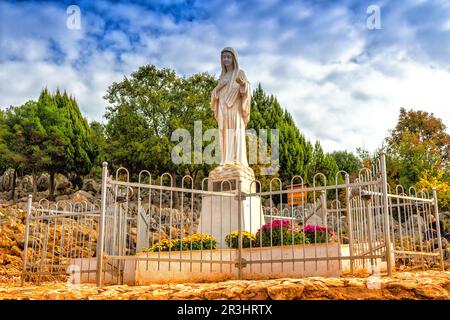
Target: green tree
x=25, y=140
x=442, y=186
x=295, y=152
x=418, y=144
x=81, y=145
x=57, y=142
x=145, y=109
x=68, y=143
x=4, y=150
x=323, y=163
x=423, y=128
x=193, y=104
x=348, y=162
x=366, y=157
x=98, y=140
x=10, y=158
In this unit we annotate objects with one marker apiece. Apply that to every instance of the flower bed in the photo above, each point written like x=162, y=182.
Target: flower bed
x=278, y=233
x=281, y=233
x=318, y=234
x=197, y=241
x=248, y=239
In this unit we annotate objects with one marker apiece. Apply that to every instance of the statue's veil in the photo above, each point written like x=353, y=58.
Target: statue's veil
x=231, y=94
x=235, y=65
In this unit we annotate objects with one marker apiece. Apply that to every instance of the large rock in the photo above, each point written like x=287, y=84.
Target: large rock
x=285, y=291
x=432, y=291
x=62, y=184
x=6, y=180
x=336, y=223
x=315, y=220
x=23, y=199
x=43, y=182
x=82, y=195
x=415, y=221
x=26, y=184
x=62, y=198
x=154, y=237
x=91, y=185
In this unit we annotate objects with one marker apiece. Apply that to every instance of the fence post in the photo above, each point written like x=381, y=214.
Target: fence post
x=239, y=195
x=438, y=228
x=325, y=221
x=101, y=226
x=387, y=236
x=141, y=242
x=368, y=207
x=27, y=234
x=350, y=222
x=323, y=199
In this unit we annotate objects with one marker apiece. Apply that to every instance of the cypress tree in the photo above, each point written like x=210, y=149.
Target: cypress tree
x=68, y=141
x=5, y=161
x=295, y=152
x=24, y=140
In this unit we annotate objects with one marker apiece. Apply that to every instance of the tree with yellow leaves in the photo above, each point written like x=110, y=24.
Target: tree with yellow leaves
x=442, y=187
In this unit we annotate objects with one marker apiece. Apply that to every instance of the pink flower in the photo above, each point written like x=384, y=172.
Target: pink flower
x=310, y=228
x=276, y=224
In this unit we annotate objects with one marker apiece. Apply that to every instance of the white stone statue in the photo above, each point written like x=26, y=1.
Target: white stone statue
x=230, y=102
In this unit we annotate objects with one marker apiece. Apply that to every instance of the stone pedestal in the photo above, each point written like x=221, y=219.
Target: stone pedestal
x=219, y=215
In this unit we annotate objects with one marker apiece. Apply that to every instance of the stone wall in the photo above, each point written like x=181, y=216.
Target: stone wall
x=24, y=186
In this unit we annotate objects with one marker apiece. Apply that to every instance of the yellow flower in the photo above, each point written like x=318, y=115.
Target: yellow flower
x=198, y=237
x=245, y=234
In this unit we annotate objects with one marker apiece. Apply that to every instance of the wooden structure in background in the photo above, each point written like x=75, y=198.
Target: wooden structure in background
x=297, y=198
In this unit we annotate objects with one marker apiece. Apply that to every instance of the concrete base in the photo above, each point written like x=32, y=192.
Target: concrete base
x=148, y=272
x=364, y=265
x=219, y=216
x=83, y=270
x=219, y=265
x=258, y=265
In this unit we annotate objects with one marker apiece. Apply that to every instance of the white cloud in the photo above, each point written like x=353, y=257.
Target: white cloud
x=343, y=84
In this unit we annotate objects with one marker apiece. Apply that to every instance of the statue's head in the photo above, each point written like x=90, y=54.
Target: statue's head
x=229, y=58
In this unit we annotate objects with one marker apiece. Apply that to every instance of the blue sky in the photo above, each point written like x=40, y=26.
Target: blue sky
x=343, y=83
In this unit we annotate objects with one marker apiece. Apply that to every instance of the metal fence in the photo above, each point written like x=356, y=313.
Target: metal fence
x=59, y=239
x=153, y=229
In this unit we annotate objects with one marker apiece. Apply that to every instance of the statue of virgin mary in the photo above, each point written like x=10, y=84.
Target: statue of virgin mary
x=230, y=102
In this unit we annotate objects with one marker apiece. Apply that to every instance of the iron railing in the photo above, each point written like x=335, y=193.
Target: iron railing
x=153, y=228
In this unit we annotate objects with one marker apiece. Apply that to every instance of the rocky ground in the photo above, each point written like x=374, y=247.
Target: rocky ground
x=402, y=285
x=432, y=285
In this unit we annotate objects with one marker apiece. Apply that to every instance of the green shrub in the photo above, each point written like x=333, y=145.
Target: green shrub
x=318, y=234
x=279, y=232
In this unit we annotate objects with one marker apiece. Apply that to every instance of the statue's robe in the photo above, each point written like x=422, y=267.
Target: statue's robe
x=231, y=106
